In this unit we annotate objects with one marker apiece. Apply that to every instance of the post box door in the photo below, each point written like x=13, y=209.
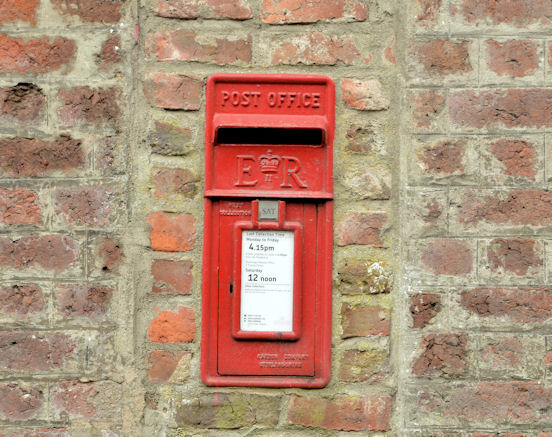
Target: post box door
x=266, y=278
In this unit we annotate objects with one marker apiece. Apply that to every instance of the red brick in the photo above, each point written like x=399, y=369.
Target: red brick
x=514, y=12
x=49, y=252
x=507, y=355
x=368, y=183
x=171, y=140
x=363, y=276
x=192, y=9
x=172, y=232
x=87, y=400
x=228, y=411
x=360, y=139
x=501, y=108
x=311, y=11
x=35, y=55
x=91, y=11
x=362, y=228
x=19, y=206
x=424, y=308
x=520, y=304
x=163, y=364
x=72, y=397
x=516, y=58
x=517, y=207
x=110, y=254
x=23, y=102
x=185, y=45
x=171, y=91
x=444, y=56
x=451, y=257
x=21, y=299
x=364, y=320
x=84, y=205
x=427, y=212
x=173, y=327
x=432, y=212
x=513, y=255
x=168, y=182
x=428, y=11
x=85, y=301
x=110, y=52
x=23, y=10
x=442, y=354
x=317, y=48
x=366, y=95
x=504, y=402
x=426, y=107
x=364, y=366
x=445, y=157
x=20, y=403
x=346, y=413
x=33, y=157
x=93, y=105
x=34, y=351
x=172, y=277
x=518, y=157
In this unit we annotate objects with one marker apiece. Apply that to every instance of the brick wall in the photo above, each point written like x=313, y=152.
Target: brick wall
x=441, y=297
x=476, y=251
x=63, y=209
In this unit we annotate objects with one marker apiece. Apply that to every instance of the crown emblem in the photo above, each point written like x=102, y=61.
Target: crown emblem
x=269, y=164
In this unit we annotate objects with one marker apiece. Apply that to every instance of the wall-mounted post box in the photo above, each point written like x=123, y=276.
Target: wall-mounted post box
x=268, y=230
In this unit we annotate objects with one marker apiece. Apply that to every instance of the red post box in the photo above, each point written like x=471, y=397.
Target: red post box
x=266, y=316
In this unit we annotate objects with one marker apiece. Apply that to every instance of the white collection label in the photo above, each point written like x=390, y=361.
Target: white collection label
x=267, y=281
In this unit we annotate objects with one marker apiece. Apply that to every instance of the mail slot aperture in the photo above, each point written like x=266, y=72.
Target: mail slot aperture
x=268, y=230
x=269, y=135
